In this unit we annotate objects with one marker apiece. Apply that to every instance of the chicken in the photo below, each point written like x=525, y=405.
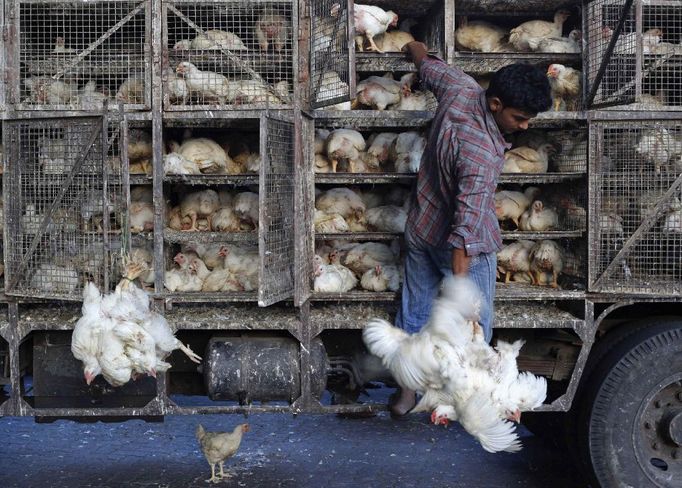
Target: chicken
x=243, y=262
x=673, y=220
x=526, y=160
x=221, y=280
x=60, y=46
x=183, y=45
x=480, y=36
x=320, y=144
x=199, y=204
x=380, y=92
x=143, y=258
x=521, y=37
x=416, y=100
x=54, y=278
x=392, y=41
x=367, y=255
x=407, y=151
x=209, y=156
x=246, y=208
x=225, y=220
x=333, y=278
x=197, y=265
x=208, y=85
x=371, y=198
x=176, y=87
x=510, y=205
x=49, y=91
x=132, y=90
x=345, y=145
x=322, y=164
x=182, y=280
x=565, y=84
x=86, y=333
x=217, y=39
x=658, y=146
x=388, y=218
x=342, y=201
x=546, y=257
x=219, y=446
x=271, y=28
x=514, y=259
x=247, y=161
x=176, y=164
x=213, y=255
x=139, y=145
x=379, y=146
x=461, y=377
x=329, y=223
x=371, y=21
x=381, y=278
x=627, y=42
x=560, y=45
x=141, y=217
x=538, y=218
x=89, y=98
x=331, y=86
x=255, y=91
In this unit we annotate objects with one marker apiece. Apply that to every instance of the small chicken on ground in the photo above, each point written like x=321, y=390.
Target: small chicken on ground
x=218, y=447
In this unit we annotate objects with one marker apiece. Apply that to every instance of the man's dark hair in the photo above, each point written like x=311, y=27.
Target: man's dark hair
x=522, y=87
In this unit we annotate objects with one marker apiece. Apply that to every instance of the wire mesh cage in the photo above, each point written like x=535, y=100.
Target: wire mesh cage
x=551, y=150
x=636, y=209
x=63, y=200
x=237, y=54
x=634, y=52
x=276, y=210
x=331, y=60
x=79, y=54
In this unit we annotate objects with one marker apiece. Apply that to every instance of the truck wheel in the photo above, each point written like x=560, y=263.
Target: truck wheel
x=632, y=411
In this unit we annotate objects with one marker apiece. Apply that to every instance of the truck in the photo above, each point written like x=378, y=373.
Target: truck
x=95, y=95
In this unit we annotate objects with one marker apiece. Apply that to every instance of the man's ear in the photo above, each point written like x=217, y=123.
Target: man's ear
x=495, y=105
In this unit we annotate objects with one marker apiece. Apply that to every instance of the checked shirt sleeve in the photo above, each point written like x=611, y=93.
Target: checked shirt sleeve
x=440, y=78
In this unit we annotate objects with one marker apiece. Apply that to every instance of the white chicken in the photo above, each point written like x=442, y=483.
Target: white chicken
x=243, y=262
x=560, y=45
x=371, y=21
x=627, y=42
x=225, y=220
x=209, y=86
x=217, y=39
x=416, y=100
x=527, y=160
x=392, y=41
x=381, y=278
x=182, y=280
x=141, y=217
x=538, y=218
x=176, y=164
x=199, y=204
x=565, y=83
x=658, y=146
x=461, y=377
x=139, y=145
x=514, y=259
x=379, y=146
x=48, y=91
x=246, y=207
x=213, y=255
x=221, y=280
x=271, y=28
x=546, y=257
x=333, y=278
x=54, y=278
x=209, y=156
x=367, y=255
x=344, y=145
x=380, y=92
x=521, y=37
x=89, y=98
x=480, y=36
x=342, y=201
x=176, y=87
x=132, y=90
x=387, y=218
x=510, y=205
x=329, y=223
x=143, y=257
x=407, y=151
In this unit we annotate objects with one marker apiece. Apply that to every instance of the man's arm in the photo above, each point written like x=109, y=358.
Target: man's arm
x=434, y=73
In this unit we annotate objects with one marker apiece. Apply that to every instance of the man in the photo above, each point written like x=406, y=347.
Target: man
x=451, y=226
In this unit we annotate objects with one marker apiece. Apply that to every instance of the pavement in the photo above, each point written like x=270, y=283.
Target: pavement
x=279, y=451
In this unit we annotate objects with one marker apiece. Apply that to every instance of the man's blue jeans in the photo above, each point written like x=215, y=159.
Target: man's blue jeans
x=425, y=267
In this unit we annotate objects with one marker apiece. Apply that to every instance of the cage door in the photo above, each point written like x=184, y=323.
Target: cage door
x=276, y=210
x=332, y=53
x=59, y=207
x=305, y=206
x=613, y=61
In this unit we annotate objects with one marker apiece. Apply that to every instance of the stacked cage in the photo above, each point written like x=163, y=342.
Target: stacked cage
x=78, y=55
x=634, y=53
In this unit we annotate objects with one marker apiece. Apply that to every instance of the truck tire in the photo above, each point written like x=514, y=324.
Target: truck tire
x=629, y=421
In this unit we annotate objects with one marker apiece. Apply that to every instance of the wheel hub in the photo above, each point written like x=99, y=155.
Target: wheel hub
x=674, y=427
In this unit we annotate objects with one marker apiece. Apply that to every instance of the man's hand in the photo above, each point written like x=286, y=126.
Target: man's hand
x=417, y=52
x=460, y=262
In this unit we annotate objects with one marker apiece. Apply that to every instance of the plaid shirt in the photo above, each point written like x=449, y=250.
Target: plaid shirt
x=453, y=204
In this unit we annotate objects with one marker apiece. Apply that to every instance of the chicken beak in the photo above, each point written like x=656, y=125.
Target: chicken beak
x=152, y=373
x=516, y=416
x=177, y=259
x=88, y=378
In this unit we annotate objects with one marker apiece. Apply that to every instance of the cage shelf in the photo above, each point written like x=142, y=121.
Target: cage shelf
x=363, y=178
x=359, y=236
x=355, y=296
x=234, y=180
x=206, y=297
x=360, y=119
x=527, y=315
x=180, y=237
x=535, y=178
x=521, y=291
x=548, y=234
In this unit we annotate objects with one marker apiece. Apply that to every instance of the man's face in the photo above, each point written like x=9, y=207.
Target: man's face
x=509, y=119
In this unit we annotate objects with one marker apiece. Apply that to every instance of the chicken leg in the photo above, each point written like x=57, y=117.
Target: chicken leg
x=213, y=478
x=557, y=104
x=372, y=44
x=554, y=283
x=222, y=473
x=507, y=276
x=335, y=163
x=193, y=227
x=189, y=353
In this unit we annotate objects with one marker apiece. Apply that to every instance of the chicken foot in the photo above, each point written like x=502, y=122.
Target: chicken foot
x=189, y=353
x=335, y=163
x=557, y=104
x=372, y=44
x=193, y=227
x=213, y=478
x=222, y=473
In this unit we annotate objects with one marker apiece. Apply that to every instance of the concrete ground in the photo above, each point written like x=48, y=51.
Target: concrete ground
x=279, y=451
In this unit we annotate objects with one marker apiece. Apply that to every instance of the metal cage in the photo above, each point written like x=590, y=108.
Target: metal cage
x=77, y=55
x=635, y=210
x=59, y=180
x=634, y=53
x=229, y=54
